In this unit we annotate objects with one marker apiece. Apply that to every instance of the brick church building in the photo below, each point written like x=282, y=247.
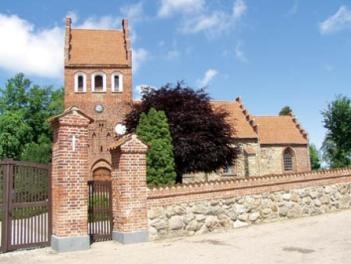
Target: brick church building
x=98, y=80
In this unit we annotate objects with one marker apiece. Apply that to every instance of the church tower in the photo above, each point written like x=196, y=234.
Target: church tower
x=98, y=80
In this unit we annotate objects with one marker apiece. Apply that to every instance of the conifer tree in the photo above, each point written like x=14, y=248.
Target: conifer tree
x=153, y=129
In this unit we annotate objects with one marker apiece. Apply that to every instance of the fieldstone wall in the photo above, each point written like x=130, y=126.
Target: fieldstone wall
x=247, y=164
x=202, y=216
x=272, y=159
x=248, y=161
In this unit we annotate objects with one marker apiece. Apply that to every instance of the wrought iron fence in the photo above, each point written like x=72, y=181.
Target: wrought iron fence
x=25, y=211
x=100, y=210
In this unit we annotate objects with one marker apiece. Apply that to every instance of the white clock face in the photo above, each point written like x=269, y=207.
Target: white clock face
x=99, y=108
x=120, y=129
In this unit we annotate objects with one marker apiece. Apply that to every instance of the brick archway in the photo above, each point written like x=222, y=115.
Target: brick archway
x=102, y=174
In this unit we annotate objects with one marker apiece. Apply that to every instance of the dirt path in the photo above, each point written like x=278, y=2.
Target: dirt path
x=321, y=239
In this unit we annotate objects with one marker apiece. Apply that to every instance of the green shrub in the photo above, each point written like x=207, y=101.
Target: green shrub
x=153, y=129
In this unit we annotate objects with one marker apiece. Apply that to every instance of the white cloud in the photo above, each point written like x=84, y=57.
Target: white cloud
x=73, y=15
x=27, y=49
x=139, y=57
x=337, y=22
x=172, y=54
x=214, y=22
x=39, y=52
x=169, y=7
x=139, y=89
x=239, y=9
x=239, y=53
x=206, y=23
x=133, y=12
x=104, y=22
x=207, y=78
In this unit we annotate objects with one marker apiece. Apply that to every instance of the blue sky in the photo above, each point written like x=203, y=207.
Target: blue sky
x=271, y=53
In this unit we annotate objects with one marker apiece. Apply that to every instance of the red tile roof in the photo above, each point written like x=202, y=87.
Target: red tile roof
x=97, y=47
x=238, y=118
x=280, y=130
x=274, y=130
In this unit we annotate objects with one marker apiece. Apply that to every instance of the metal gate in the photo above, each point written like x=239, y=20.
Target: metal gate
x=25, y=215
x=100, y=211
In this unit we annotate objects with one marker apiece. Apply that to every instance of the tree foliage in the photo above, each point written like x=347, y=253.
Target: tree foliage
x=201, y=137
x=24, y=110
x=14, y=134
x=337, y=143
x=314, y=158
x=153, y=129
x=286, y=110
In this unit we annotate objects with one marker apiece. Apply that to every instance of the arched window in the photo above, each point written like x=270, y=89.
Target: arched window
x=288, y=160
x=80, y=84
x=98, y=82
x=117, y=82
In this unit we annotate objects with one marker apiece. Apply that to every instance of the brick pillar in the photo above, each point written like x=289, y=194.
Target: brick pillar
x=130, y=223
x=69, y=181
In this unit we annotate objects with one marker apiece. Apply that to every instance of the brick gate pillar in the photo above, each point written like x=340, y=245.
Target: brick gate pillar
x=130, y=223
x=69, y=181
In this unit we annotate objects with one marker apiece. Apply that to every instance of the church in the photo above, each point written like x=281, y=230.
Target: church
x=98, y=80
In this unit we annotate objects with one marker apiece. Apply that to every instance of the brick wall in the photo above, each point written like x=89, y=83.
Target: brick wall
x=69, y=174
x=129, y=185
x=116, y=106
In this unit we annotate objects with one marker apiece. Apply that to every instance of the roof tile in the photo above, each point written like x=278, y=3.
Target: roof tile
x=97, y=47
x=237, y=118
x=280, y=130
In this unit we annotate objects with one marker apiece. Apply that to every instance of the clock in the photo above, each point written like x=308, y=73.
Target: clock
x=120, y=129
x=99, y=108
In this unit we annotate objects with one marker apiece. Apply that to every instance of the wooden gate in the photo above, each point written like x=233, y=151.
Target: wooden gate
x=25, y=211
x=100, y=210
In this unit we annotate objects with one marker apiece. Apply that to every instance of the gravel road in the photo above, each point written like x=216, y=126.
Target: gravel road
x=320, y=239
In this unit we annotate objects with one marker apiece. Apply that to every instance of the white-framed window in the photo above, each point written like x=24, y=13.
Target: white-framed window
x=117, y=82
x=288, y=160
x=80, y=82
x=98, y=82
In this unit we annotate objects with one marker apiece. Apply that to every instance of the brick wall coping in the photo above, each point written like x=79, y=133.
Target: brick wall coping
x=71, y=110
x=252, y=184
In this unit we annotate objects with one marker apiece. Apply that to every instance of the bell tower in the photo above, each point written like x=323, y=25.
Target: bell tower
x=98, y=80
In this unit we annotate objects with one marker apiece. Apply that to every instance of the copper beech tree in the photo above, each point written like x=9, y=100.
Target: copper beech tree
x=201, y=137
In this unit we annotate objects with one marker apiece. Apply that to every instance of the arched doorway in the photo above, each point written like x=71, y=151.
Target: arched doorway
x=101, y=174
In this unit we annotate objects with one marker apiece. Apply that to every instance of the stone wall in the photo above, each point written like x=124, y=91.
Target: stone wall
x=190, y=210
x=272, y=159
x=248, y=161
x=247, y=164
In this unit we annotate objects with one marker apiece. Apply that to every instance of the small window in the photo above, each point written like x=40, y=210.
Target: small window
x=117, y=82
x=229, y=170
x=98, y=82
x=288, y=159
x=80, y=82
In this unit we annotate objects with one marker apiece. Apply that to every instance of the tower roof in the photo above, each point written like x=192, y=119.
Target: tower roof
x=96, y=47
